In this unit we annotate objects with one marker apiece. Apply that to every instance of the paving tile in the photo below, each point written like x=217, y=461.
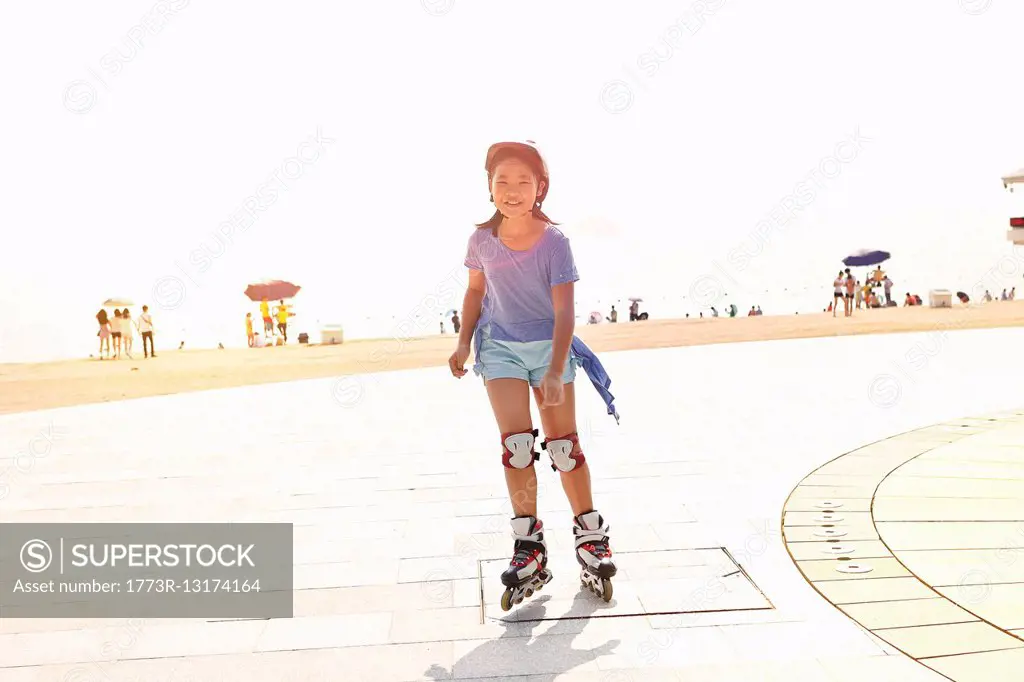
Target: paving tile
x=784, y=641
x=824, y=549
x=131, y=640
x=820, y=503
x=843, y=532
x=919, y=486
x=325, y=632
x=722, y=618
x=878, y=669
x=345, y=574
x=993, y=666
x=897, y=614
x=804, y=670
x=919, y=535
x=859, y=482
x=539, y=655
x=856, y=466
x=373, y=598
x=944, y=568
x=951, y=509
x=1002, y=605
x=949, y=469
x=437, y=568
x=874, y=590
x=821, y=518
x=383, y=664
x=668, y=649
x=687, y=535
x=829, y=569
x=825, y=492
x=982, y=454
x=944, y=640
x=438, y=625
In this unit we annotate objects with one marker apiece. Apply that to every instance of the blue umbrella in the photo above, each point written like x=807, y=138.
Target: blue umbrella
x=866, y=257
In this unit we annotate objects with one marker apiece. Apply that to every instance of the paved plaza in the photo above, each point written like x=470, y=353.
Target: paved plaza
x=831, y=510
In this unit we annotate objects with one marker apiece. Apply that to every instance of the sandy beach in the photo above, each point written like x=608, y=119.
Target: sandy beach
x=25, y=387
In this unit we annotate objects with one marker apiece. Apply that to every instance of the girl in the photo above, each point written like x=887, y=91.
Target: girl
x=518, y=311
x=116, y=332
x=127, y=334
x=838, y=286
x=104, y=332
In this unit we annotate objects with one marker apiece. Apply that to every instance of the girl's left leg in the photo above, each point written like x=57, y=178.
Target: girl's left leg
x=562, y=444
x=559, y=421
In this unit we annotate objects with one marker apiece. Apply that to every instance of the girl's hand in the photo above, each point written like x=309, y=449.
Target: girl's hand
x=552, y=390
x=457, y=361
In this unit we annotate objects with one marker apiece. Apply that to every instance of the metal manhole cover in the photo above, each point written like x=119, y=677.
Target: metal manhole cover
x=674, y=581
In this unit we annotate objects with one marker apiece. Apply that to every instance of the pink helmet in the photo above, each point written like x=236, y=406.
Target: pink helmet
x=526, y=150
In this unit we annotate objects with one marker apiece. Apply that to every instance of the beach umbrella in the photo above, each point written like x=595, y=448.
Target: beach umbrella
x=271, y=290
x=866, y=257
x=118, y=302
x=637, y=299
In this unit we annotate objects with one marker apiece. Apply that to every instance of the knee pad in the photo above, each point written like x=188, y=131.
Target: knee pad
x=518, y=450
x=560, y=450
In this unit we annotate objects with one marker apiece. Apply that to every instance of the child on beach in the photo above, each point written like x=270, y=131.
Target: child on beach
x=127, y=332
x=519, y=313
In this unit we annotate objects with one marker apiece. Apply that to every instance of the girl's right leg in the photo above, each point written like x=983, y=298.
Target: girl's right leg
x=527, y=571
x=510, y=401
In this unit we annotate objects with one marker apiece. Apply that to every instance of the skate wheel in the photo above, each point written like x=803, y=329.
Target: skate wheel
x=506, y=600
x=529, y=593
x=606, y=588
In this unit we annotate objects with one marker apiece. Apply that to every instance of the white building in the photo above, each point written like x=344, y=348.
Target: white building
x=1016, y=233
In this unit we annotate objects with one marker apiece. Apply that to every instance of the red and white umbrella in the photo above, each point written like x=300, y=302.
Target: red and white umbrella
x=272, y=290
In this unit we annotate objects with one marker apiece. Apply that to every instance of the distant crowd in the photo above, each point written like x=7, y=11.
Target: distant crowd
x=854, y=295
x=282, y=313
x=121, y=329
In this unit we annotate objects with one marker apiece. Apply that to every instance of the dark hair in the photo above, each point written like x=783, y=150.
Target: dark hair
x=494, y=222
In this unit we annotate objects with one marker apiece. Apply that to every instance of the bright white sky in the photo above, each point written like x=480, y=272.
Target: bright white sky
x=123, y=161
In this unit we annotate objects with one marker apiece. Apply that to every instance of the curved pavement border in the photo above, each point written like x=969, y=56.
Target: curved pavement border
x=917, y=538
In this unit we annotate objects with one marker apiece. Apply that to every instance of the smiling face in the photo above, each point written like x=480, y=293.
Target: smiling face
x=514, y=188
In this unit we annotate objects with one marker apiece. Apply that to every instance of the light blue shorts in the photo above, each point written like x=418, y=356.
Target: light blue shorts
x=528, y=361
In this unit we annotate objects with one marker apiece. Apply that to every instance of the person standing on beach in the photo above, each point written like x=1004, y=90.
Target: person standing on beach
x=518, y=310
x=127, y=332
x=888, y=290
x=104, y=332
x=115, y=332
x=837, y=292
x=282, y=319
x=851, y=286
x=146, y=330
x=268, y=322
x=248, y=329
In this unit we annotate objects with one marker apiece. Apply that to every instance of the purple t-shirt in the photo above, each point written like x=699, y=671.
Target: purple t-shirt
x=518, y=305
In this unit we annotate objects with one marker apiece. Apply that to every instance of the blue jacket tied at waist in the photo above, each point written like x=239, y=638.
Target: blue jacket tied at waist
x=596, y=372
x=579, y=353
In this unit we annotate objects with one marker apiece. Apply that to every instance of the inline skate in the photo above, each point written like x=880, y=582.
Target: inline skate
x=527, y=572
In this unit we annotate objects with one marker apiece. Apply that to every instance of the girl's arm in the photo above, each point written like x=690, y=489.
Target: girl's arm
x=471, y=304
x=565, y=324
